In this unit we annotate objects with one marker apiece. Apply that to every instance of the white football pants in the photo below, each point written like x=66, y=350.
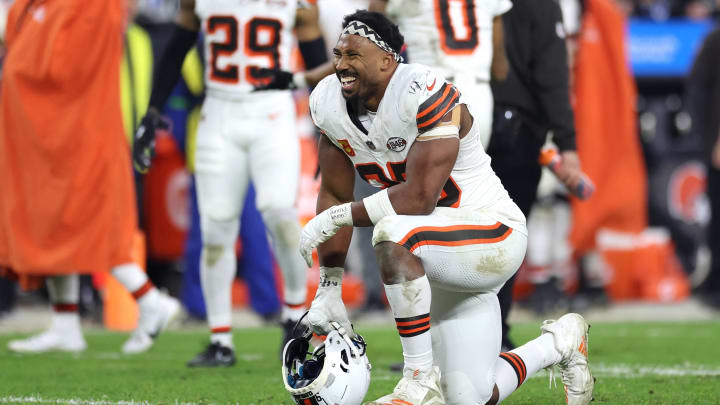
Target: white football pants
x=467, y=256
x=240, y=141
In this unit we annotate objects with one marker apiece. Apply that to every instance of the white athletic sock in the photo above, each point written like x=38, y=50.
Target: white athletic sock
x=64, y=292
x=285, y=234
x=64, y=289
x=514, y=367
x=137, y=283
x=410, y=304
x=217, y=270
x=292, y=312
x=224, y=338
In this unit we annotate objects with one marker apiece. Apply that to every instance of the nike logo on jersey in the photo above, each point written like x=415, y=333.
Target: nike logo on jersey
x=432, y=86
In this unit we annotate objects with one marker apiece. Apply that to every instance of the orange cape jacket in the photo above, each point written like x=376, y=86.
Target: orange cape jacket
x=67, y=202
x=606, y=120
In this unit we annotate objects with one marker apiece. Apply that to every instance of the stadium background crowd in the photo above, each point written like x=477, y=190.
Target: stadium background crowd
x=654, y=242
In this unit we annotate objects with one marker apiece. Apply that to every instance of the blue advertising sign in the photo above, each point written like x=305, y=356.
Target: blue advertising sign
x=665, y=49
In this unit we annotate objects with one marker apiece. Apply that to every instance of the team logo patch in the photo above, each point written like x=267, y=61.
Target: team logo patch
x=431, y=86
x=396, y=144
x=346, y=147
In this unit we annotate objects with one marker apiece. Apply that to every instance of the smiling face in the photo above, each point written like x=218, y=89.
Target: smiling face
x=362, y=68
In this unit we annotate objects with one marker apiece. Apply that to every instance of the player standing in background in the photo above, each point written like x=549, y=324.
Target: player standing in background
x=533, y=100
x=446, y=234
x=462, y=40
x=243, y=134
x=68, y=202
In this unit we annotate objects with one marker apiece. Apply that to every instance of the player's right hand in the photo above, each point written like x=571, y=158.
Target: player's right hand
x=328, y=305
x=277, y=80
x=144, y=140
x=569, y=172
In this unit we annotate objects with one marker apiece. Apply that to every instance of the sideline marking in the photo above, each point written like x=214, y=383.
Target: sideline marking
x=614, y=370
x=36, y=399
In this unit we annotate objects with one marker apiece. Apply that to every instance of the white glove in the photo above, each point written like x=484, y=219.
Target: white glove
x=322, y=228
x=328, y=305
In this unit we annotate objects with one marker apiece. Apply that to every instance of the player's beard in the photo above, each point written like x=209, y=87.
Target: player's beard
x=352, y=98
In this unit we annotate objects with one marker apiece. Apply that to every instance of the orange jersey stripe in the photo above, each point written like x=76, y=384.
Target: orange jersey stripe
x=435, y=104
x=410, y=323
x=137, y=294
x=522, y=365
x=457, y=235
x=516, y=365
x=461, y=242
x=448, y=229
x=405, y=332
x=439, y=115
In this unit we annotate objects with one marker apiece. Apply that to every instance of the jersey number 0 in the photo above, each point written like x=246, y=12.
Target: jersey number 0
x=252, y=46
x=452, y=43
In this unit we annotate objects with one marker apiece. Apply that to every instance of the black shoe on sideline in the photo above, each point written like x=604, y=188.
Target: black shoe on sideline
x=215, y=355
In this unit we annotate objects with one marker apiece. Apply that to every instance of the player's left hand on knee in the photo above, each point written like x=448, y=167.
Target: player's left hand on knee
x=323, y=227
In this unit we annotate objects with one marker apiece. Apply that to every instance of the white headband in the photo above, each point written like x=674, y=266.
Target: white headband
x=356, y=27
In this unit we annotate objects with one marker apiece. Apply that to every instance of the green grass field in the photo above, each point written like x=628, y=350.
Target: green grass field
x=634, y=363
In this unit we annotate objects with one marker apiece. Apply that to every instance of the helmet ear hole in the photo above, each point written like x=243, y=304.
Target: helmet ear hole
x=344, y=357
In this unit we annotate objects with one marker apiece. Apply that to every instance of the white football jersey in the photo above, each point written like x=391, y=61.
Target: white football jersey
x=331, y=17
x=416, y=99
x=454, y=36
x=242, y=36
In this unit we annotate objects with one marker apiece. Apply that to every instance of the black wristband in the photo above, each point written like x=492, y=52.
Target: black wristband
x=313, y=52
x=167, y=70
x=565, y=140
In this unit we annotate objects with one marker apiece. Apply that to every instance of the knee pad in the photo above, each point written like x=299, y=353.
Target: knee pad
x=381, y=232
x=219, y=232
x=283, y=225
x=462, y=389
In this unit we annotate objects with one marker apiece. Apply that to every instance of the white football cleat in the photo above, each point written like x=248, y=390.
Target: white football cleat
x=419, y=390
x=570, y=334
x=154, y=319
x=48, y=341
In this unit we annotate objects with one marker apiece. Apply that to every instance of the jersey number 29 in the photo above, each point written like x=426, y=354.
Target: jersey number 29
x=230, y=73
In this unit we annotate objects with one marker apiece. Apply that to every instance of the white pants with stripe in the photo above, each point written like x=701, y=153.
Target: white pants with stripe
x=467, y=256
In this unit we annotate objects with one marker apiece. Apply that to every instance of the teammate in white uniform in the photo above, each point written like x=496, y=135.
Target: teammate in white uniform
x=445, y=227
x=243, y=135
x=461, y=39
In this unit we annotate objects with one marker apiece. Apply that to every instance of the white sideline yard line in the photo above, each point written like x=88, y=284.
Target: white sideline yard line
x=74, y=401
x=79, y=401
x=612, y=370
x=635, y=371
x=36, y=399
